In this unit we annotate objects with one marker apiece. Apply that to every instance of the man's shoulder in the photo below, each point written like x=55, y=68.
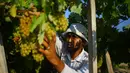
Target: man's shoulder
x=85, y=55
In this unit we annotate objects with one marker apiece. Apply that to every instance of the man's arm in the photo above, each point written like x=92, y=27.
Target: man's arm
x=53, y=59
x=50, y=54
x=63, y=68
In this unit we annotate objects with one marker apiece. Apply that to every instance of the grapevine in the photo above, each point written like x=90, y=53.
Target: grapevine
x=35, y=20
x=31, y=24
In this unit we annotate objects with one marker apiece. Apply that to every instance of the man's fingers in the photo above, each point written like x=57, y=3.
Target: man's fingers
x=54, y=38
x=45, y=44
x=46, y=39
x=42, y=51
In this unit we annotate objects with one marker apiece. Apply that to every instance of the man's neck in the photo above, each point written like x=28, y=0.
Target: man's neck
x=75, y=54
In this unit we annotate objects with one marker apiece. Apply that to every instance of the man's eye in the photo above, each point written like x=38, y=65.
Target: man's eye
x=74, y=36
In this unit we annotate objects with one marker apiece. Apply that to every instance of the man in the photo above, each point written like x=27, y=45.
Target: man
x=68, y=56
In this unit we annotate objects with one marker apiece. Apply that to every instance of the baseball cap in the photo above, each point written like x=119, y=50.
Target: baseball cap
x=78, y=29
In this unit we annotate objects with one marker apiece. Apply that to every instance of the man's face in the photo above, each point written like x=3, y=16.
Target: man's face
x=74, y=42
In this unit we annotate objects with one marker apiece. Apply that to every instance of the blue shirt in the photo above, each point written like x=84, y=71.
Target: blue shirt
x=78, y=65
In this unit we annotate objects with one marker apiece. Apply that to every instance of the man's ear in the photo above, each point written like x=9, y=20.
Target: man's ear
x=84, y=43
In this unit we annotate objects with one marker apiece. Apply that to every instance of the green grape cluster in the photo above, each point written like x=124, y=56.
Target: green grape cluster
x=61, y=5
x=31, y=47
x=28, y=46
x=60, y=22
x=25, y=49
x=49, y=31
x=38, y=57
x=17, y=36
x=25, y=23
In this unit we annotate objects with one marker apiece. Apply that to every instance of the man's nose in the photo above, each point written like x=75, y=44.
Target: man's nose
x=70, y=39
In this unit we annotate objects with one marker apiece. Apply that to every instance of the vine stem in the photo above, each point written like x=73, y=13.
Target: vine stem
x=30, y=12
x=1, y=4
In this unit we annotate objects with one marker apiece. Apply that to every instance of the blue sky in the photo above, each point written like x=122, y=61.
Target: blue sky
x=119, y=27
x=123, y=23
x=67, y=13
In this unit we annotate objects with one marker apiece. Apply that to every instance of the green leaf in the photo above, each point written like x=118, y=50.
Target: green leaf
x=74, y=18
x=42, y=18
x=129, y=8
x=76, y=9
x=35, y=2
x=41, y=32
x=43, y=3
x=128, y=2
x=7, y=19
x=13, y=11
x=46, y=6
x=61, y=5
x=85, y=0
x=21, y=3
x=127, y=27
x=40, y=37
x=115, y=14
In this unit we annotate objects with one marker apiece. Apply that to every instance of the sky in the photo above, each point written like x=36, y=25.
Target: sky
x=119, y=27
x=122, y=24
x=67, y=13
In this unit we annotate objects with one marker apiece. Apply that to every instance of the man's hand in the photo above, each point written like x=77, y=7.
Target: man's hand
x=50, y=53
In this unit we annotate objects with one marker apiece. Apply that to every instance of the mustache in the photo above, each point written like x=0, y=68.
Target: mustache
x=70, y=44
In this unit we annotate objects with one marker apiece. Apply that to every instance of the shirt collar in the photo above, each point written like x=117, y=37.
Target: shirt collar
x=78, y=58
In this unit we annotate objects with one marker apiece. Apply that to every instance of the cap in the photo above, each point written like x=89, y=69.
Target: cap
x=78, y=29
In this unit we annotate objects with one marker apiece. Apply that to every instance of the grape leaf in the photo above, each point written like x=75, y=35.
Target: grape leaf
x=127, y=26
x=41, y=32
x=13, y=10
x=128, y=2
x=129, y=8
x=7, y=19
x=115, y=14
x=61, y=5
x=40, y=37
x=76, y=9
x=39, y=20
x=85, y=0
x=43, y=3
x=35, y=2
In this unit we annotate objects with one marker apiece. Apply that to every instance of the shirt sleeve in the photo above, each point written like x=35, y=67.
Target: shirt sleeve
x=83, y=69
x=59, y=44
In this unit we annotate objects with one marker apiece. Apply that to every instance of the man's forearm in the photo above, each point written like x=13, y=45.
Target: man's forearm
x=58, y=64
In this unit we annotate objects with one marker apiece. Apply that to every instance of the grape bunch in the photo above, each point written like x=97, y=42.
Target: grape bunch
x=25, y=23
x=25, y=49
x=31, y=48
x=49, y=30
x=38, y=57
x=17, y=36
x=59, y=21
x=27, y=41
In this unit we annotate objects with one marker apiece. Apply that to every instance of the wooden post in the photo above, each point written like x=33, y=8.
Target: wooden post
x=92, y=45
x=3, y=65
x=109, y=64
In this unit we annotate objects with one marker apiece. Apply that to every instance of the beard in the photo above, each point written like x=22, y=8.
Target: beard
x=73, y=47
